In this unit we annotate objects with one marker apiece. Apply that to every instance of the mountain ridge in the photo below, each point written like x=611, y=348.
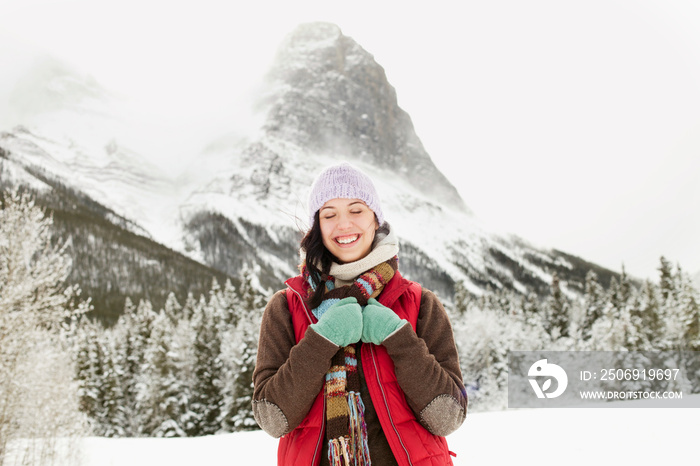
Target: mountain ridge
x=328, y=94
x=325, y=100
x=321, y=110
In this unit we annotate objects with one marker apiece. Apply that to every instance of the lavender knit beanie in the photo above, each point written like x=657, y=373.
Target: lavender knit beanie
x=345, y=182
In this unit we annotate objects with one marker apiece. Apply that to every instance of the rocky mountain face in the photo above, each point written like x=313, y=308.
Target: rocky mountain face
x=136, y=233
x=112, y=256
x=328, y=95
x=328, y=100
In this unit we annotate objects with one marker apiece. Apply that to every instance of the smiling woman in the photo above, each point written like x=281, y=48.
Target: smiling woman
x=352, y=351
x=347, y=227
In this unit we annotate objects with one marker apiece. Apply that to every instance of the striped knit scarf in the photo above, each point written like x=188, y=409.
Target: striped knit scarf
x=346, y=430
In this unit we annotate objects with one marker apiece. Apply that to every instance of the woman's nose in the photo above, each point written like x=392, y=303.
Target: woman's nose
x=344, y=222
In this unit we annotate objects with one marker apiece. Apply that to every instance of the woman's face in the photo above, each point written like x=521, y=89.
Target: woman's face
x=347, y=227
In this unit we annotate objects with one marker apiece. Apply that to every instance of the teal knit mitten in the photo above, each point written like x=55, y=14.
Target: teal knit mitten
x=378, y=322
x=341, y=323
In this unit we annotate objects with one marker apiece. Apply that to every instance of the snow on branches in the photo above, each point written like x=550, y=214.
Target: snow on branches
x=38, y=396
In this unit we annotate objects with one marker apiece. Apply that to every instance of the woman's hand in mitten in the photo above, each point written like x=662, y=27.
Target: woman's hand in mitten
x=341, y=323
x=378, y=322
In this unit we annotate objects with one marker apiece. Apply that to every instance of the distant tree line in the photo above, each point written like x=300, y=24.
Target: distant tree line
x=183, y=371
x=663, y=316
x=111, y=256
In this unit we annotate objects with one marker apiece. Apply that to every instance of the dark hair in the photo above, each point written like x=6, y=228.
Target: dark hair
x=316, y=253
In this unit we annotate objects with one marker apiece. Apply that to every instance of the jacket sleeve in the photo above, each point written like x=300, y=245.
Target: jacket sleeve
x=288, y=376
x=427, y=368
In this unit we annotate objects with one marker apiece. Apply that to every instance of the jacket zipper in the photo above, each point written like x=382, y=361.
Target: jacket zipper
x=308, y=314
x=323, y=421
x=386, y=404
x=323, y=430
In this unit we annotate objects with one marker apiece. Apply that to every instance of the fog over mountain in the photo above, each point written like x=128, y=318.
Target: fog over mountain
x=328, y=95
x=325, y=99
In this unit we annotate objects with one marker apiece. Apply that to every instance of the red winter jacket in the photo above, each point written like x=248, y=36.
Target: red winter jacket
x=410, y=442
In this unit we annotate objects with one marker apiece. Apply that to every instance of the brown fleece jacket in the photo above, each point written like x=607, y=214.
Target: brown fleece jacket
x=289, y=376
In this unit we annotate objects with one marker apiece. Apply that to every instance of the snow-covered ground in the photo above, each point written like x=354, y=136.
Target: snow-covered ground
x=605, y=436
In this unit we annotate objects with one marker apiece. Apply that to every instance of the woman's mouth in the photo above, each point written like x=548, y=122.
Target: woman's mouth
x=346, y=240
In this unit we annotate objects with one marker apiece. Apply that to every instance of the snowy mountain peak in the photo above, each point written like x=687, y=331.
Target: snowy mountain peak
x=309, y=38
x=328, y=95
x=326, y=100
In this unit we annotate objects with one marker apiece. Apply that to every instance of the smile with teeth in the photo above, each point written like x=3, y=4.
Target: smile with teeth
x=347, y=239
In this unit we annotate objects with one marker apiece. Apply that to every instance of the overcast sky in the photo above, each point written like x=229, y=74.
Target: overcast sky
x=574, y=124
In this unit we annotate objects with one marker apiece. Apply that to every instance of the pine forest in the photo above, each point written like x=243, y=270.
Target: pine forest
x=184, y=369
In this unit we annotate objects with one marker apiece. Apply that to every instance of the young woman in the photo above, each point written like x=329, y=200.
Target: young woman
x=356, y=365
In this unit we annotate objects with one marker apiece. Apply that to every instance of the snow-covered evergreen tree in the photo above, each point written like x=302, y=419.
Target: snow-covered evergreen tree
x=164, y=397
x=484, y=335
x=636, y=334
x=89, y=360
x=128, y=359
x=206, y=401
x=680, y=311
x=557, y=311
x=608, y=333
x=240, y=352
x=251, y=300
x=624, y=291
x=230, y=303
x=172, y=308
x=138, y=325
x=143, y=326
x=99, y=377
x=183, y=339
x=652, y=325
x=189, y=306
x=594, y=302
x=241, y=406
x=666, y=284
x=113, y=415
x=688, y=311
